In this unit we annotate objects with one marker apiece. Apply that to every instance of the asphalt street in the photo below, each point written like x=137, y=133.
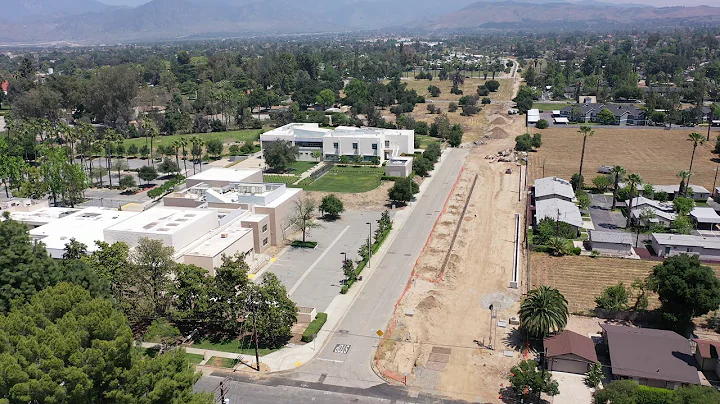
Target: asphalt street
x=313, y=276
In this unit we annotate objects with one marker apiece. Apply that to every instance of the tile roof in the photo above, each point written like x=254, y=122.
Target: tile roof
x=568, y=342
x=651, y=354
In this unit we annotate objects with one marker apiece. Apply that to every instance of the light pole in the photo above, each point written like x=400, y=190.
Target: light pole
x=369, y=243
x=254, y=302
x=715, y=181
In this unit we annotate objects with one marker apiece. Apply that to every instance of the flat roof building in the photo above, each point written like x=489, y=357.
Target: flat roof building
x=558, y=209
x=399, y=167
x=667, y=245
x=85, y=226
x=553, y=187
x=219, y=177
x=611, y=242
x=367, y=143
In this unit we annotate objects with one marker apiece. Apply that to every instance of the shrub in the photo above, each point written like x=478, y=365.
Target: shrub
x=234, y=150
x=421, y=128
x=483, y=91
x=575, y=251
x=577, y=181
x=492, y=85
x=468, y=110
x=314, y=327
x=452, y=107
x=303, y=244
x=602, y=183
x=542, y=124
x=486, y=101
x=613, y=298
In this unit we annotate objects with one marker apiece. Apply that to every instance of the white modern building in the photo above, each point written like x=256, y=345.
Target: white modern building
x=399, y=167
x=85, y=226
x=315, y=143
x=219, y=177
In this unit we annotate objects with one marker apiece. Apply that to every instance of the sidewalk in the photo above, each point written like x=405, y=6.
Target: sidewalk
x=310, y=171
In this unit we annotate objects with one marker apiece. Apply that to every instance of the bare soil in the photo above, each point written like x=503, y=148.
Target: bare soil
x=440, y=320
x=375, y=200
x=656, y=154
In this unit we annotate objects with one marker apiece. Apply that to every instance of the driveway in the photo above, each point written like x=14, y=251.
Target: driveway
x=572, y=389
x=603, y=218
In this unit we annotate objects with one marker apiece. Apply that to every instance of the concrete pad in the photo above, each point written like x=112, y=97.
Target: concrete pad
x=572, y=389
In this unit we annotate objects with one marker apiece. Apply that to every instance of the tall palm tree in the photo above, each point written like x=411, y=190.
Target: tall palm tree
x=196, y=151
x=585, y=131
x=183, y=145
x=618, y=172
x=684, y=176
x=151, y=131
x=176, y=148
x=543, y=311
x=633, y=181
x=697, y=139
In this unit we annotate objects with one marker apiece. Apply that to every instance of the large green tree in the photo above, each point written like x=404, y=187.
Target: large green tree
x=526, y=375
x=543, y=311
x=279, y=154
x=64, y=346
x=686, y=289
x=275, y=311
x=403, y=190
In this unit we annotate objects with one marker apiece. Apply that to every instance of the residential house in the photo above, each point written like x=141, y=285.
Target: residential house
x=553, y=188
x=331, y=144
x=656, y=358
x=705, y=218
x=560, y=210
x=663, y=213
x=706, y=355
x=588, y=112
x=699, y=192
x=4, y=86
x=667, y=245
x=611, y=242
x=569, y=352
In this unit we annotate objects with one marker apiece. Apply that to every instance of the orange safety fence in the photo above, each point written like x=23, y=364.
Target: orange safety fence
x=391, y=327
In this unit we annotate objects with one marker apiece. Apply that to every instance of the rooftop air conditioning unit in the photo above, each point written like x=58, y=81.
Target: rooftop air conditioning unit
x=223, y=235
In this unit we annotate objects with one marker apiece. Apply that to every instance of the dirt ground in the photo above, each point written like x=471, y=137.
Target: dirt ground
x=436, y=345
x=656, y=154
x=375, y=200
x=581, y=279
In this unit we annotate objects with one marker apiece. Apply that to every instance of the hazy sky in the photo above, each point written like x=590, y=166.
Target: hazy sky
x=659, y=3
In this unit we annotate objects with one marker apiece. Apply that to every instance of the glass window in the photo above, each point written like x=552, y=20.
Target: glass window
x=264, y=229
x=355, y=146
x=374, y=146
x=335, y=145
x=265, y=241
x=387, y=143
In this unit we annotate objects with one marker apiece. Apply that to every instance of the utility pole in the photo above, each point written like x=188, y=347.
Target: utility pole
x=519, y=183
x=710, y=119
x=257, y=355
x=222, y=393
x=715, y=181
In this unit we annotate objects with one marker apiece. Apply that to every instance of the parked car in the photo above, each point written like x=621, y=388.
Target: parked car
x=605, y=169
x=513, y=112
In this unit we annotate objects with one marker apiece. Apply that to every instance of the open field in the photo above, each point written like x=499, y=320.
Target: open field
x=227, y=137
x=656, y=154
x=348, y=179
x=469, y=87
x=581, y=279
x=549, y=106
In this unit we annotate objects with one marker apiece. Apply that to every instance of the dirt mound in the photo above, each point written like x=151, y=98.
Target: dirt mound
x=497, y=133
x=498, y=121
x=427, y=303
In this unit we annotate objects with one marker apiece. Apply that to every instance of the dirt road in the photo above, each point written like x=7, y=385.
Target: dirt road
x=446, y=307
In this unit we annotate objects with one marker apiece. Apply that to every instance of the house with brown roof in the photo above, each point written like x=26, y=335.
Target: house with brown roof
x=569, y=352
x=656, y=358
x=4, y=86
x=706, y=355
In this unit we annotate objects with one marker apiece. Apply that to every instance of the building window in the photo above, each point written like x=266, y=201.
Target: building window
x=265, y=241
x=355, y=146
x=264, y=229
x=387, y=143
x=335, y=145
x=374, y=146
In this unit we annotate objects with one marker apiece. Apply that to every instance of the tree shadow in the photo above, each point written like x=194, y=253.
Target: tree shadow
x=509, y=396
x=517, y=340
x=330, y=218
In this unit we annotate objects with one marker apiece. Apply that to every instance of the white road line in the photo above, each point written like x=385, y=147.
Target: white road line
x=317, y=261
x=330, y=360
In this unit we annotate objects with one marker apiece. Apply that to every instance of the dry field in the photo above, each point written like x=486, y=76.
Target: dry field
x=469, y=88
x=656, y=154
x=581, y=279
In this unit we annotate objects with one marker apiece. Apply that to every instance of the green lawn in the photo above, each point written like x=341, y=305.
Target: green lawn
x=282, y=179
x=348, y=179
x=222, y=362
x=423, y=140
x=547, y=107
x=227, y=137
x=300, y=167
x=194, y=358
x=231, y=346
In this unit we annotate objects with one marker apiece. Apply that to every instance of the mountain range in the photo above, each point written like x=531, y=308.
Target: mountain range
x=92, y=22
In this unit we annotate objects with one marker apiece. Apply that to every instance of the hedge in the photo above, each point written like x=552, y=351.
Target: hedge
x=166, y=187
x=304, y=244
x=361, y=265
x=314, y=327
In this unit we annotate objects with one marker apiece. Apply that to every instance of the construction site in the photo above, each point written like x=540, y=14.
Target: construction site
x=454, y=330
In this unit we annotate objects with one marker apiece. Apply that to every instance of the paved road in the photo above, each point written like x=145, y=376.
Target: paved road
x=603, y=218
x=374, y=306
x=313, y=277
x=243, y=389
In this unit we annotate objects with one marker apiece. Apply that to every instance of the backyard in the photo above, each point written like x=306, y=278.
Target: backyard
x=656, y=154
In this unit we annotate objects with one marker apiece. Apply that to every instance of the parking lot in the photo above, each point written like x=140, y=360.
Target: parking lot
x=603, y=218
x=314, y=277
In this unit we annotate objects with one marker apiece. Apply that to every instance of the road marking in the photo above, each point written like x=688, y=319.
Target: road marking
x=273, y=259
x=330, y=360
x=317, y=261
x=298, y=363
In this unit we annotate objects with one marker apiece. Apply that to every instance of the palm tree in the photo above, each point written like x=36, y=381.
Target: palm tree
x=558, y=246
x=176, y=148
x=183, y=143
x=150, y=132
x=585, y=131
x=633, y=181
x=697, y=139
x=543, y=311
x=684, y=176
x=196, y=151
x=618, y=172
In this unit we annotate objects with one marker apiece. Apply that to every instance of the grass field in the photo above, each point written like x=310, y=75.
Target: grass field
x=656, y=154
x=423, y=140
x=222, y=362
x=231, y=346
x=194, y=358
x=581, y=279
x=227, y=137
x=469, y=87
x=282, y=179
x=549, y=106
x=300, y=167
x=348, y=179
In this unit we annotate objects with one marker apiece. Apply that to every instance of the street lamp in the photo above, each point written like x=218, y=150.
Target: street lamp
x=369, y=243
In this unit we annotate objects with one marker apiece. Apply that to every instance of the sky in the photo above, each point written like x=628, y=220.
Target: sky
x=658, y=3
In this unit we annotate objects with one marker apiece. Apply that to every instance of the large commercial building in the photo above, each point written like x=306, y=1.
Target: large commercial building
x=315, y=143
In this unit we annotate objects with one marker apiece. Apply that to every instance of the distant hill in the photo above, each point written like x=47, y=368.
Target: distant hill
x=88, y=21
x=512, y=14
